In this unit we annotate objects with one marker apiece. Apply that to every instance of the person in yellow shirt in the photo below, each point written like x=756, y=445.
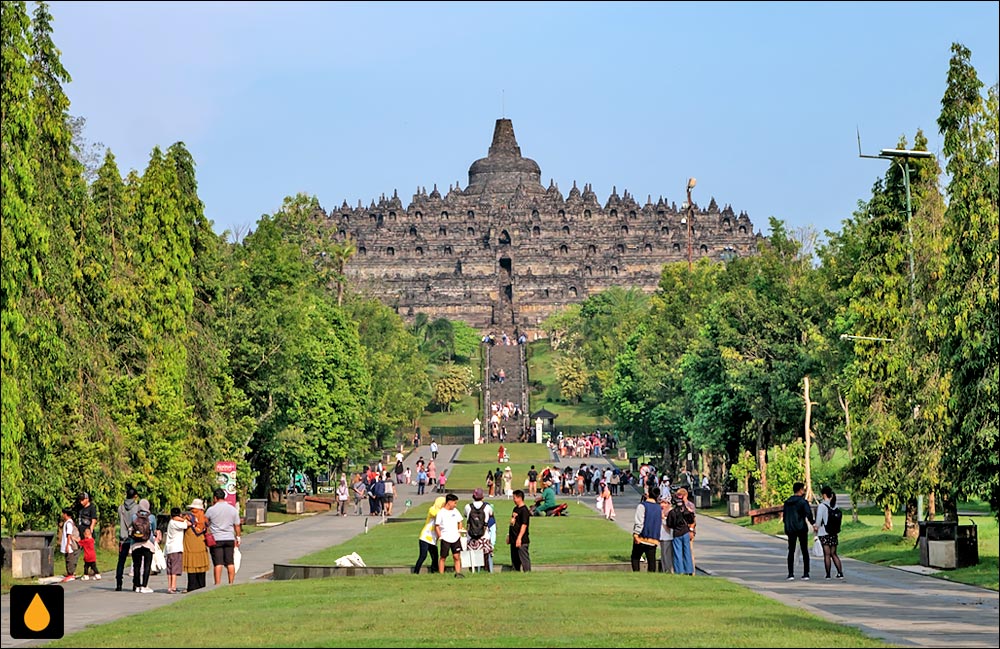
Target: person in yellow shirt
x=428, y=539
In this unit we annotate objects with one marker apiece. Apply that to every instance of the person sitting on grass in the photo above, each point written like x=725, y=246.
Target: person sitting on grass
x=546, y=502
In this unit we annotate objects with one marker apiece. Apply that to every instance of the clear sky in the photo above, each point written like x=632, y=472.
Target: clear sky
x=759, y=101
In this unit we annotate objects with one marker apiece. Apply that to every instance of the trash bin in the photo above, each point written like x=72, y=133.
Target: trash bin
x=256, y=511
x=295, y=503
x=948, y=545
x=702, y=498
x=39, y=541
x=739, y=504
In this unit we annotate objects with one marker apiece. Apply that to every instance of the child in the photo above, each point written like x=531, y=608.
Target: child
x=69, y=543
x=442, y=479
x=90, y=570
x=174, y=547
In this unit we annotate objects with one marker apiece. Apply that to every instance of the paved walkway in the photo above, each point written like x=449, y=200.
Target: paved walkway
x=899, y=607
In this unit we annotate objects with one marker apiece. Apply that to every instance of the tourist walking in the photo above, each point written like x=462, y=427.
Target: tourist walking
x=434, y=450
x=448, y=525
x=827, y=527
x=517, y=534
x=343, y=494
x=508, y=482
x=388, y=495
x=532, y=481
x=224, y=526
x=607, y=504
x=128, y=508
x=428, y=539
x=796, y=512
x=646, y=530
x=195, y=562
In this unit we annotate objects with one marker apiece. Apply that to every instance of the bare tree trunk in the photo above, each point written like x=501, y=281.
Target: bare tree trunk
x=762, y=466
x=808, y=436
x=910, y=527
x=887, y=525
x=930, y=506
x=109, y=540
x=845, y=405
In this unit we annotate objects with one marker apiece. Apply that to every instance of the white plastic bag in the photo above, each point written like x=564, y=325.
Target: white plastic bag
x=159, y=563
x=817, y=548
x=237, y=559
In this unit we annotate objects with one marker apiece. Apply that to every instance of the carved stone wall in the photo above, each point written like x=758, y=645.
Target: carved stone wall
x=506, y=252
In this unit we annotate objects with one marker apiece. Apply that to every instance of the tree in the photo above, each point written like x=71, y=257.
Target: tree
x=969, y=296
x=25, y=242
x=573, y=377
x=453, y=384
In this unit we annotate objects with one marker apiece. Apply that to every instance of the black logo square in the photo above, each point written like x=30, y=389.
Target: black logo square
x=36, y=612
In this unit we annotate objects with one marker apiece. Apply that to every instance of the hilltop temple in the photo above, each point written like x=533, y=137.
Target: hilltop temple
x=506, y=252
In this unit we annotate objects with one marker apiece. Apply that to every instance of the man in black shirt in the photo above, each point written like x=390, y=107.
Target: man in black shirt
x=517, y=534
x=532, y=481
x=86, y=514
x=796, y=512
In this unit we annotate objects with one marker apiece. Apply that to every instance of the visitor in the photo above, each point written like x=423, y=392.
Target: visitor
x=434, y=449
x=343, y=494
x=796, y=512
x=448, y=525
x=428, y=538
x=173, y=547
x=195, y=561
x=90, y=570
x=646, y=530
x=828, y=538
x=142, y=548
x=479, y=529
x=128, y=508
x=517, y=534
x=224, y=525
x=69, y=543
x=679, y=520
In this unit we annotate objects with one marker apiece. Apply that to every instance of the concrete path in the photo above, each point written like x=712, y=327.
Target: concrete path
x=899, y=607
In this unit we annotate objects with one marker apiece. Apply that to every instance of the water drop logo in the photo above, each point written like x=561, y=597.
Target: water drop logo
x=36, y=612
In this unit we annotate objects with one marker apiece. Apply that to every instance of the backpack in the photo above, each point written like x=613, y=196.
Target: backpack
x=140, y=528
x=833, y=520
x=477, y=522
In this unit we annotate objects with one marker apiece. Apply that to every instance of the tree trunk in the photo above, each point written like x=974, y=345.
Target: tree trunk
x=808, y=436
x=762, y=466
x=845, y=405
x=930, y=506
x=887, y=525
x=910, y=527
x=109, y=540
x=854, y=507
x=949, y=508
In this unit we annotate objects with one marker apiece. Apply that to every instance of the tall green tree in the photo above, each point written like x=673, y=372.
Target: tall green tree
x=25, y=242
x=969, y=296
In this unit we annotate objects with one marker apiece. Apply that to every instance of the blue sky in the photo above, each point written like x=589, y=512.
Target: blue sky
x=759, y=101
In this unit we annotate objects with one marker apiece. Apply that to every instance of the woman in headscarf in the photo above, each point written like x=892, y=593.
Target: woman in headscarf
x=195, y=560
x=343, y=494
x=142, y=550
x=428, y=539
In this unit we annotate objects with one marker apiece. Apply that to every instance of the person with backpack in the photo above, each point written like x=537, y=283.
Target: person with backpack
x=126, y=511
x=144, y=538
x=795, y=513
x=828, y=521
x=478, y=515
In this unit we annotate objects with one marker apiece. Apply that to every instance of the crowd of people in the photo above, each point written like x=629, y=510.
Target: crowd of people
x=190, y=538
x=595, y=444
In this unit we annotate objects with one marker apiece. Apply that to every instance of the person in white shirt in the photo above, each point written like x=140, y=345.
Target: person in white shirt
x=174, y=547
x=434, y=450
x=448, y=525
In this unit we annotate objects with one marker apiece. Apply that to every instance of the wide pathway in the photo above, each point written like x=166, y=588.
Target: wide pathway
x=90, y=602
x=897, y=606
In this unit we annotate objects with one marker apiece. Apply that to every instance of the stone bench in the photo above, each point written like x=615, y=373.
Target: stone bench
x=765, y=514
x=26, y=563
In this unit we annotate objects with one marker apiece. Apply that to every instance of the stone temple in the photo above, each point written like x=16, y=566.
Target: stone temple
x=506, y=252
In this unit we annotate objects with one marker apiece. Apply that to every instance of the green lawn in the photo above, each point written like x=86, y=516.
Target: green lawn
x=866, y=541
x=542, y=379
x=575, y=609
x=461, y=414
x=583, y=537
x=469, y=476
x=530, y=453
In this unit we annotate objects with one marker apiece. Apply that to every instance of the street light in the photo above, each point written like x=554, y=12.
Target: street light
x=690, y=210
x=896, y=155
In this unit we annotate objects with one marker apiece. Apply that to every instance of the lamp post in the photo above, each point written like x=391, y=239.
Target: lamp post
x=690, y=215
x=902, y=158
